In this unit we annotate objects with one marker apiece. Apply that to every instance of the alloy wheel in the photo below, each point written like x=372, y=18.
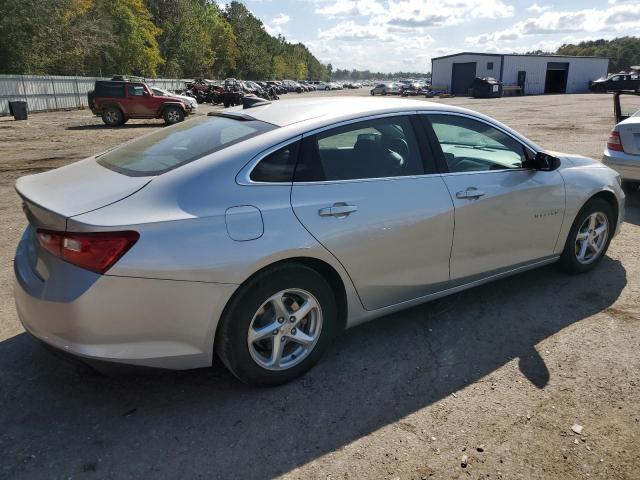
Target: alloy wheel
x=173, y=116
x=285, y=329
x=112, y=117
x=591, y=238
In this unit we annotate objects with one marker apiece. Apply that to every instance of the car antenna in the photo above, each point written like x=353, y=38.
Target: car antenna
x=250, y=102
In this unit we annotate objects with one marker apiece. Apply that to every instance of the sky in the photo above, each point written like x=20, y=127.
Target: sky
x=403, y=35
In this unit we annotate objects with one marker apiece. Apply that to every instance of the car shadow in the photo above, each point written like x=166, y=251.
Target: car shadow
x=206, y=424
x=632, y=208
x=126, y=126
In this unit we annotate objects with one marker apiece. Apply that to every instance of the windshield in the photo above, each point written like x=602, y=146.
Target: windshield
x=174, y=146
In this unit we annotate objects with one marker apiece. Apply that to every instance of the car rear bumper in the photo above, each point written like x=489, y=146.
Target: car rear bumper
x=144, y=322
x=628, y=166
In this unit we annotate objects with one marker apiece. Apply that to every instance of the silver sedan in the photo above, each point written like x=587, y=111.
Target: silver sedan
x=257, y=234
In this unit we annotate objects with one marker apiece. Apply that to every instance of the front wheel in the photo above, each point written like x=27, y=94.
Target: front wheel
x=173, y=115
x=589, y=237
x=277, y=326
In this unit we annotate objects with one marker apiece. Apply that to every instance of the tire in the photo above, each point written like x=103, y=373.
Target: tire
x=570, y=259
x=253, y=362
x=172, y=115
x=112, y=116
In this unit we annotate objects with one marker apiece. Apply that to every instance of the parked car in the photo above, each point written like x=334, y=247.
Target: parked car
x=321, y=85
x=617, y=82
x=190, y=102
x=622, y=152
x=116, y=101
x=280, y=89
x=386, y=89
x=409, y=89
x=250, y=233
x=292, y=86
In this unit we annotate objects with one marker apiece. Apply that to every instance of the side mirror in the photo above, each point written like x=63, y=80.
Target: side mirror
x=546, y=162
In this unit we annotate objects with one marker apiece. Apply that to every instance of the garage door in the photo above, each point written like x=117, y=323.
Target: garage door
x=556, y=80
x=462, y=77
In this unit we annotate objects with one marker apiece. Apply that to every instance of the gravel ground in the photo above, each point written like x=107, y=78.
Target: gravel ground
x=483, y=384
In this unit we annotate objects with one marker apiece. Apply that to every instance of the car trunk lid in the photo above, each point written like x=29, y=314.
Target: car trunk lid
x=629, y=131
x=51, y=198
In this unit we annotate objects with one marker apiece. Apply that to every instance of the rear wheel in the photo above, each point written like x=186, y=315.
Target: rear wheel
x=173, y=115
x=277, y=326
x=113, y=116
x=589, y=237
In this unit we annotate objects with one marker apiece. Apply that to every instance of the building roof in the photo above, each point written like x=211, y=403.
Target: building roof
x=515, y=55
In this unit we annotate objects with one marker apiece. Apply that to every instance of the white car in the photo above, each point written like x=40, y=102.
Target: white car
x=189, y=101
x=622, y=152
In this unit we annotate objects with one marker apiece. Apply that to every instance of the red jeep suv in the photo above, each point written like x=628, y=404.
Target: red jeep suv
x=118, y=101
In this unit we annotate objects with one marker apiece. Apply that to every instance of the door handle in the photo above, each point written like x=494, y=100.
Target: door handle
x=337, y=210
x=470, y=193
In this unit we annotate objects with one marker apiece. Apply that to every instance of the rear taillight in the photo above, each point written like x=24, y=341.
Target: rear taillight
x=614, y=143
x=94, y=251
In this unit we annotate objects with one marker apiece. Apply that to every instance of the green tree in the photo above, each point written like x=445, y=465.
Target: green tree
x=136, y=49
x=301, y=71
x=225, y=47
x=253, y=59
x=279, y=67
x=623, y=52
x=174, y=38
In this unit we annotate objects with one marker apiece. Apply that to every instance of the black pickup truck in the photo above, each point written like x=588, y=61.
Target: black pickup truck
x=619, y=82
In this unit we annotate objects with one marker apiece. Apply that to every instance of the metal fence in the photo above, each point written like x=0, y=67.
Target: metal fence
x=55, y=92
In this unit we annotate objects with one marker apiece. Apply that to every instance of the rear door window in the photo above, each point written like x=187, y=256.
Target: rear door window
x=383, y=147
x=180, y=144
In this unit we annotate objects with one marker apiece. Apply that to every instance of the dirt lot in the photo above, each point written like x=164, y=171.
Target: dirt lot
x=498, y=374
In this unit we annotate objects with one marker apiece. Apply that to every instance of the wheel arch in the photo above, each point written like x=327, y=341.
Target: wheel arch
x=323, y=268
x=172, y=104
x=612, y=200
x=114, y=105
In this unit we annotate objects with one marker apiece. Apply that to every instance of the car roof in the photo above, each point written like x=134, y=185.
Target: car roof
x=330, y=109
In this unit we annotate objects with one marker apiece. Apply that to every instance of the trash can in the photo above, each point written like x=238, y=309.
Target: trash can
x=18, y=110
x=486, y=87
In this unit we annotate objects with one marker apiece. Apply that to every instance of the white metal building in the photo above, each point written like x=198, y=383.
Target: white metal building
x=535, y=74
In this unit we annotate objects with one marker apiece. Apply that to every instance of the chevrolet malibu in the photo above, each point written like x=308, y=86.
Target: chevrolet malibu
x=257, y=234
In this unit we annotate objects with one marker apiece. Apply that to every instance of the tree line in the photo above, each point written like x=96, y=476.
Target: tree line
x=151, y=38
x=354, y=74
x=623, y=52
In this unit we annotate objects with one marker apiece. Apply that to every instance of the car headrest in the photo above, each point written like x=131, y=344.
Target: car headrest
x=400, y=146
x=365, y=145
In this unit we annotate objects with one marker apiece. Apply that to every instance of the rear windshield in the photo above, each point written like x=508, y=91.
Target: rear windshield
x=174, y=146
